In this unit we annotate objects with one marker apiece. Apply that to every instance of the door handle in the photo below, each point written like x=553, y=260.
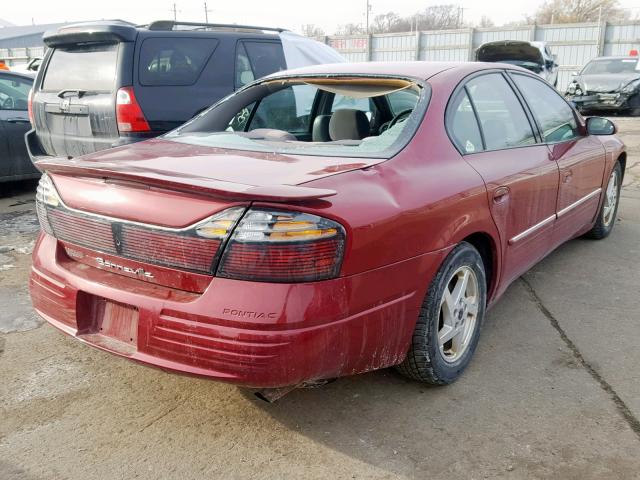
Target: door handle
x=17, y=120
x=566, y=176
x=500, y=194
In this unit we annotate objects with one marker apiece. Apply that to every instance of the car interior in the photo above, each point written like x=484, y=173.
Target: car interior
x=13, y=95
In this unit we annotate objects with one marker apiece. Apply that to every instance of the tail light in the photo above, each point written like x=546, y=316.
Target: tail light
x=46, y=196
x=261, y=245
x=30, y=106
x=283, y=246
x=195, y=248
x=128, y=112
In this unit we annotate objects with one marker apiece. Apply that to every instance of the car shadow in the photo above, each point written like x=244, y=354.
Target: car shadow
x=11, y=189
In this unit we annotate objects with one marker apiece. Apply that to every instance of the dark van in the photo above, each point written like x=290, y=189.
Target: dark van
x=104, y=84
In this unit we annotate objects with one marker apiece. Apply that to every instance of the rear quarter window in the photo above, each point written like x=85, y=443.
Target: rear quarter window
x=82, y=67
x=174, y=61
x=255, y=59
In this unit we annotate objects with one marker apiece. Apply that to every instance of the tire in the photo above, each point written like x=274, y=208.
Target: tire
x=427, y=361
x=608, y=214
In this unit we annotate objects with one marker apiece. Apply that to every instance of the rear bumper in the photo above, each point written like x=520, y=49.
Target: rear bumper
x=247, y=333
x=37, y=153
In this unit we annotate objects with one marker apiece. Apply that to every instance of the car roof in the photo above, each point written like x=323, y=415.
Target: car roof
x=421, y=69
x=615, y=57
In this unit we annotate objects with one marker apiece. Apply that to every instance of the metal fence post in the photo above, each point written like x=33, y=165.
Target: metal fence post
x=602, y=35
x=418, y=38
x=369, y=47
x=471, y=56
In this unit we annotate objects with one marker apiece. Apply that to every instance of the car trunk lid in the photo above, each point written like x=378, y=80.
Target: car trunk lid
x=217, y=172
x=132, y=210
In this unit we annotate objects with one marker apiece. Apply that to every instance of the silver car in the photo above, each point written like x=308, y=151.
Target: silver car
x=607, y=83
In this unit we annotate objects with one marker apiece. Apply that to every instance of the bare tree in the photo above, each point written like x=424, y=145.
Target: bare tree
x=576, y=11
x=311, y=30
x=389, y=23
x=350, y=29
x=436, y=17
x=486, y=22
x=440, y=17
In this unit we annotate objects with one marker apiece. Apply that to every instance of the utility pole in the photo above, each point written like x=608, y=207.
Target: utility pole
x=206, y=13
x=367, y=16
x=175, y=12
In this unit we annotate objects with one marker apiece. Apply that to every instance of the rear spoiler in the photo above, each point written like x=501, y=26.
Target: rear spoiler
x=195, y=184
x=91, y=32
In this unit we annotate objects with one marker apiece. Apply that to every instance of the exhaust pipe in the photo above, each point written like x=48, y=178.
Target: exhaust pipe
x=272, y=395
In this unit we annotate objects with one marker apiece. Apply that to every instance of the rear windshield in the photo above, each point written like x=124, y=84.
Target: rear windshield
x=351, y=117
x=83, y=67
x=622, y=65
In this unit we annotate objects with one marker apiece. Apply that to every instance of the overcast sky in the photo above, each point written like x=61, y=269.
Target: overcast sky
x=289, y=14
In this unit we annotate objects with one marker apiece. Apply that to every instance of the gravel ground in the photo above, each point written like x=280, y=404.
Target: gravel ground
x=554, y=389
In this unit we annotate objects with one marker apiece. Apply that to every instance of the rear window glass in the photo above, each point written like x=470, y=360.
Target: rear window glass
x=402, y=100
x=174, y=61
x=277, y=117
x=287, y=109
x=86, y=67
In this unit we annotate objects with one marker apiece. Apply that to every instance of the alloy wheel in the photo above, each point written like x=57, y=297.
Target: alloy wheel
x=611, y=199
x=458, y=314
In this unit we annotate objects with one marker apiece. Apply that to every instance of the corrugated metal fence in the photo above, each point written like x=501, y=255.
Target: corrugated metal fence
x=574, y=44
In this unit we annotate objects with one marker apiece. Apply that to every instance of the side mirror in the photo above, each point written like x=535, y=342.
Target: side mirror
x=600, y=126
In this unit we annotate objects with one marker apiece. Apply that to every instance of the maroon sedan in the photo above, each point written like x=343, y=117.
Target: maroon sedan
x=323, y=222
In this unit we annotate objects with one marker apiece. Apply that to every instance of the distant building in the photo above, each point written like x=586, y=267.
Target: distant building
x=19, y=44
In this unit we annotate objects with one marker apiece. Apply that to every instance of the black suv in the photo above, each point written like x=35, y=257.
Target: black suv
x=104, y=84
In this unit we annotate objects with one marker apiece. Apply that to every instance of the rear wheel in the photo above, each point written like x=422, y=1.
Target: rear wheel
x=448, y=326
x=609, y=210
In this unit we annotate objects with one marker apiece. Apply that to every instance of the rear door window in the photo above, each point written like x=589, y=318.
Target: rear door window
x=257, y=59
x=85, y=67
x=502, y=118
x=554, y=115
x=174, y=61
